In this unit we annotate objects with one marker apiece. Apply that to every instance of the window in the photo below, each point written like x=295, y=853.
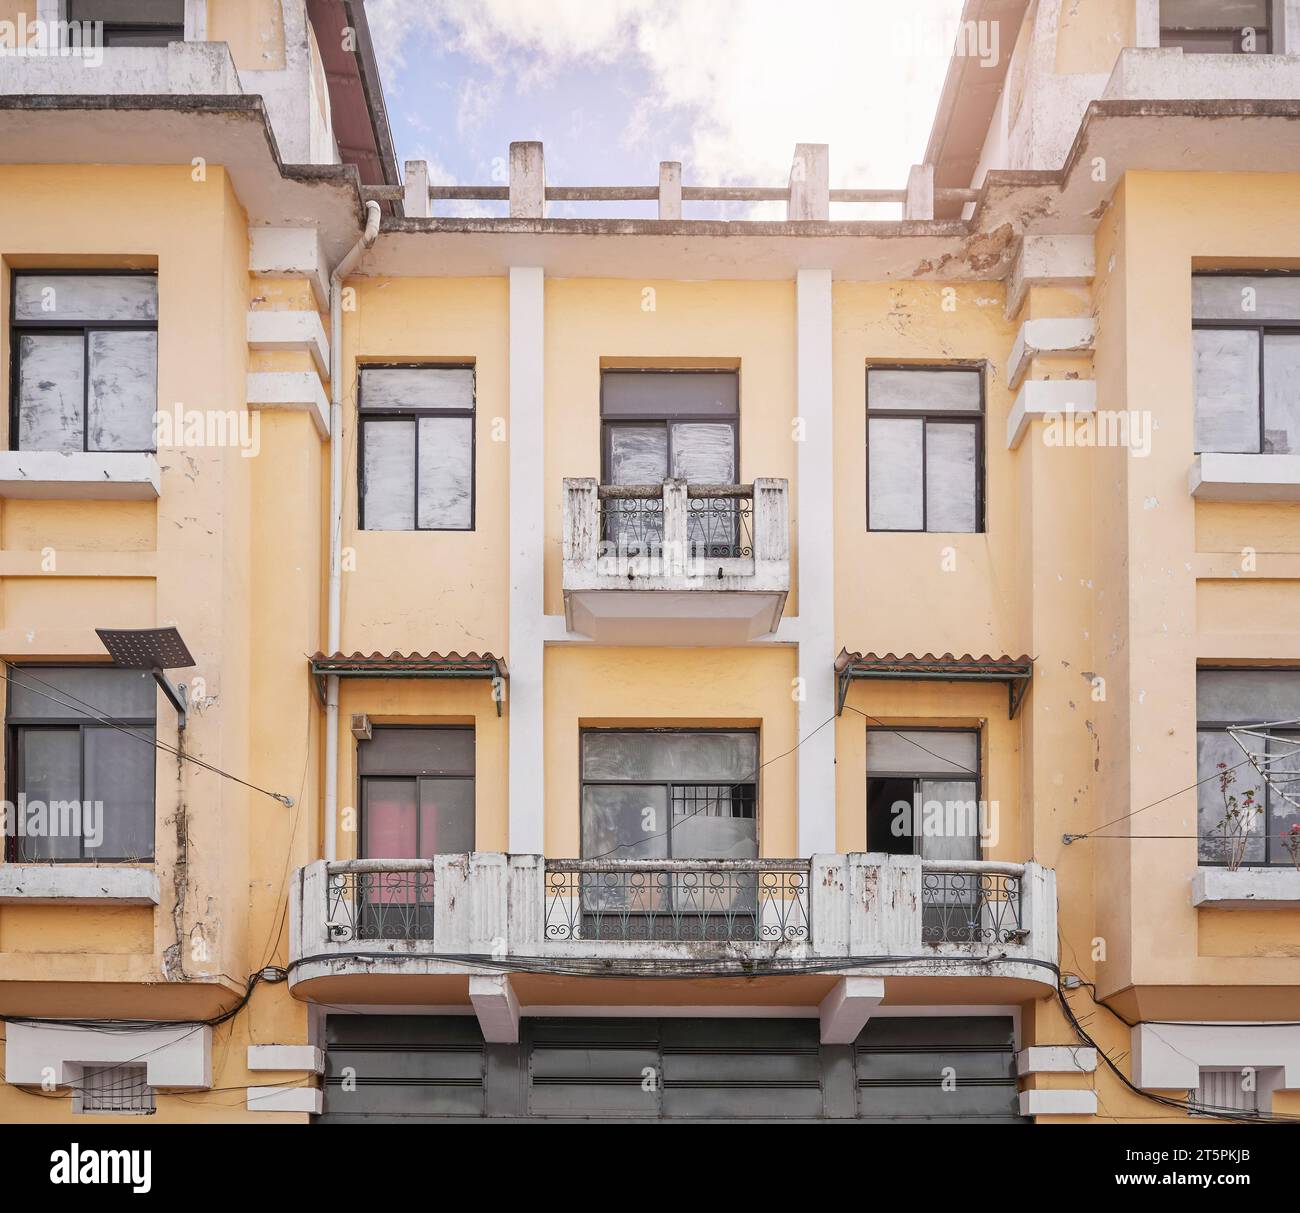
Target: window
x=417, y=448
x=1254, y=698
x=86, y=360
x=669, y=794
x=87, y=787
x=133, y=22
x=923, y=788
x=925, y=449
x=1246, y=347
x=113, y=1090
x=417, y=792
x=1227, y=1091
x=1216, y=27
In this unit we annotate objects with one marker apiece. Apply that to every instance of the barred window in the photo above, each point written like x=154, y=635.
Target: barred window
x=113, y=1090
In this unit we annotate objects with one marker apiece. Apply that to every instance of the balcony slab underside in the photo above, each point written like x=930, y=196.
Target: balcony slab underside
x=696, y=614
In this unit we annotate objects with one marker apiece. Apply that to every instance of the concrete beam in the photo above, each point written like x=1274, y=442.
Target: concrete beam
x=497, y=1008
x=810, y=183
x=290, y=390
x=920, y=192
x=415, y=190
x=670, y=190
x=1049, y=261
x=1039, y=398
x=280, y=330
x=83, y=885
x=80, y=475
x=1215, y=477
x=527, y=181
x=845, y=1010
x=1058, y=1103
x=290, y=252
x=1045, y=338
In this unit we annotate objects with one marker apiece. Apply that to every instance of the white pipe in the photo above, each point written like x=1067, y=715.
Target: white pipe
x=335, y=598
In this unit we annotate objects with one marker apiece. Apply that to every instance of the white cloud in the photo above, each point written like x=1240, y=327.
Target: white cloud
x=754, y=76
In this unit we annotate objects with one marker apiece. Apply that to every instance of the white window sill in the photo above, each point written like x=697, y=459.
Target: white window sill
x=1216, y=477
x=81, y=475
x=79, y=884
x=1247, y=888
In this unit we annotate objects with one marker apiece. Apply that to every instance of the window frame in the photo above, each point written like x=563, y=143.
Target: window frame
x=415, y=415
x=918, y=777
x=82, y=723
x=1177, y=35
x=609, y=423
x=18, y=328
x=414, y=777
x=1288, y=328
x=668, y=785
x=976, y=418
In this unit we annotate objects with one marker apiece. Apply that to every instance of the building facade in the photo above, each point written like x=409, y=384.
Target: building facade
x=650, y=668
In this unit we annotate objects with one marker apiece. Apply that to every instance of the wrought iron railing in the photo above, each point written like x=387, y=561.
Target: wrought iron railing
x=380, y=899
x=719, y=522
x=688, y=900
x=971, y=903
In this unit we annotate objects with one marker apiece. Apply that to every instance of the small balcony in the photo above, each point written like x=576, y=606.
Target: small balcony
x=675, y=563
x=398, y=922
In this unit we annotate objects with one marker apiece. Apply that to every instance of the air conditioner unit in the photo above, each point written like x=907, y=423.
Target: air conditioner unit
x=360, y=726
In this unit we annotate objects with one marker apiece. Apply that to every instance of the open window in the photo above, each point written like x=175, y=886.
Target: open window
x=925, y=449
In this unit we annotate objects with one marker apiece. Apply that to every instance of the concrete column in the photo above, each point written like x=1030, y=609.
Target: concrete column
x=497, y=1008
x=845, y=1010
x=920, y=192
x=527, y=182
x=810, y=182
x=816, y=514
x=527, y=509
x=670, y=190
x=415, y=189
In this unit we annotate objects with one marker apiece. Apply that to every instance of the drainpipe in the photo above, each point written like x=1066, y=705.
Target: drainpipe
x=332, y=631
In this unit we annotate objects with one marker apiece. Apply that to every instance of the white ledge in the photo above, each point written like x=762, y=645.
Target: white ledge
x=82, y=475
x=1223, y=477
x=279, y=330
x=1048, y=337
x=286, y=1057
x=1247, y=888
x=285, y=1099
x=53, y=884
x=290, y=390
x=1048, y=397
x=1056, y=1059
x=1058, y=1103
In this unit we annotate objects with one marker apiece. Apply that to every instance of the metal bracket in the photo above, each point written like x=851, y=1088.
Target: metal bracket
x=177, y=695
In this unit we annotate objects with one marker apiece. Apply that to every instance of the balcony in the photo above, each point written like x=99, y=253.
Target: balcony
x=358, y=921
x=677, y=563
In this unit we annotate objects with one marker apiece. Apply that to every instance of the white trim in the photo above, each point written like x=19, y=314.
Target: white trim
x=80, y=884
x=80, y=475
x=290, y=252
x=196, y=20
x=1147, y=21
x=816, y=546
x=285, y=1099
x=1039, y=398
x=1226, y=477
x=281, y=330
x=497, y=1008
x=1171, y=1056
x=286, y=1057
x=292, y=390
x=1048, y=337
x=1056, y=1059
x=1058, y=1103
x=845, y=1010
x=526, y=647
x=177, y=1057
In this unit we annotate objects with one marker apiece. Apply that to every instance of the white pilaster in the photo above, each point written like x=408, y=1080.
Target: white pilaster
x=527, y=510
x=816, y=514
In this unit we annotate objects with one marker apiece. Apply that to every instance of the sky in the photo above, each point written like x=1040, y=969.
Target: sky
x=612, y=87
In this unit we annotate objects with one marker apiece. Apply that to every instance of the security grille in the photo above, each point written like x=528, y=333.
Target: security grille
x=113, y=1091
x=1227, y=1091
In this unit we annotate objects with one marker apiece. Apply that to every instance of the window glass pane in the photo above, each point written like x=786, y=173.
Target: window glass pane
x=405, y=751
x=894, y=474
x=670, y=393
x=417, y=387
x=51, y=378
x=949, y=476
x=1256, y=300
x=389, y=475
x=1247, y=696
x=682, y=757
x=74, y=298
x=1282, y=394
x=120, y=777
x=45, y=692
x=949, y=820
x=49, y=772
x=446, y=817
x=625, y=822
x=1226, y=378
x=921, y=751
x=1216, y=833
x=146, y=12
x=123, y=396
x=1213, y=14
x=932, y=391
x=638, y=454
x=704, y=454
x=389, y=821
x=714, y=821
x=446, y=473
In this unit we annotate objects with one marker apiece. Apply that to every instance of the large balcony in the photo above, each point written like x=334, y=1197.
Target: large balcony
x=675, y=563
x=906, y=915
